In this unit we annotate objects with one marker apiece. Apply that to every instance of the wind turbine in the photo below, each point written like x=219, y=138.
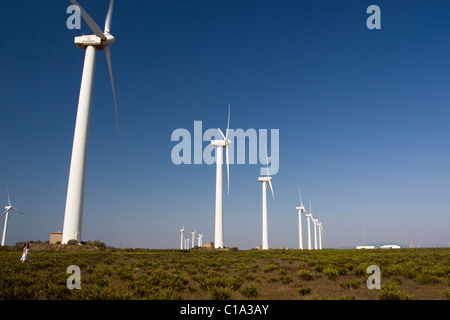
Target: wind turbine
x=182, y=238
x=309, y=217
x=193, y=238
x=220, y=144
x=8, y=208
x=200, y=240
x=265, y=181
x=315, y=233
x=300, y=209
x=319, y=225
x=75, y=190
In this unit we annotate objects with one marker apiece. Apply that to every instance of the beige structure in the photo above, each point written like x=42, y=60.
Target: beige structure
x=55, y=237
x=209, y=244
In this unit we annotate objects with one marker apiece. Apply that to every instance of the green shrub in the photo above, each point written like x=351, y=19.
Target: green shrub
x=270, y=267
x=352, y=283
x=331, y=273
x=285, y=277
x=446, y=293
x=219, y=293
x=304, y=290
x=427, y=278
x=390, y=291
x=305, y=275
x=250, y=291
x=125, y=272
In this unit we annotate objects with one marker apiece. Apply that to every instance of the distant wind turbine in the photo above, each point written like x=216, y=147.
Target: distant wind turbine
x=320, y=227
x=200, y=240
x=300, y=209
x=309, y=217
x=315, y=233
x=193, y=238
x=220, y=144
x=266, y=181
x=182, y=238
x=75, y=190
x=8, y=208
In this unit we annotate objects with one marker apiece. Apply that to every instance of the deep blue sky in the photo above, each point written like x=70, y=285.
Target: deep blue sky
x=363, y=117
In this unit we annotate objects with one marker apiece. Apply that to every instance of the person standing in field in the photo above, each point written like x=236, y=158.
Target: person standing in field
x=26, y=248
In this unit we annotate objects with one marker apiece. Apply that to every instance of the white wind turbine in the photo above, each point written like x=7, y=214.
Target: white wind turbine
x=200, y=240
x=220, y=144
x=319, y=225
x=300, y=209
x=265, y=182
x=75, y=190
x=193, y=238
x=315, y=221
x=182, y=238
x=8, y=208
x=309, y=217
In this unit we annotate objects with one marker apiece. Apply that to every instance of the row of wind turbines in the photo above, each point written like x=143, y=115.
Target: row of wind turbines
x=266, y=183
x=101, y=40
x=184, y=242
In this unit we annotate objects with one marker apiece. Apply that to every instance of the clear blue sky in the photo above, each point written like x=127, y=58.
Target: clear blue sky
x=363, y=117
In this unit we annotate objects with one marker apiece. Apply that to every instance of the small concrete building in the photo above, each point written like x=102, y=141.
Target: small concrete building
x=55, y=237
x=209, y=244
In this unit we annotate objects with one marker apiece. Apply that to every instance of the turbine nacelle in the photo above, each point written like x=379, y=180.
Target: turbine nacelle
x=221, y=143
x=264, y=179
x=92, y=40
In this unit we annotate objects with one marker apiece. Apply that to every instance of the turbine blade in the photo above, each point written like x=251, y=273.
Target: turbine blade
x=4, y=213
x=224, y=138
x=270, y=184
x=301, y=200
x=228, y=168
x=267, y=159
x=17, y=210
x=108, y=59
x=109, y=17
x=91, y=23
x=9, y=199
x=228, y=124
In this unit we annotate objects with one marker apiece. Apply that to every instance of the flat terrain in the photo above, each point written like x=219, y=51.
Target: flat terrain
x=200, y=274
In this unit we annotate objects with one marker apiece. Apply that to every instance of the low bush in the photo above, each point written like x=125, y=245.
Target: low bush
x=305, y=275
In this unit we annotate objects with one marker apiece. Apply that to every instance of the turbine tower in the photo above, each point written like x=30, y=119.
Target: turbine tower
x=182, y=238
x=300, y=209
x=200, y=240
x=8, y=208
x=319, y=225
x=309, y=217
x=193, y=238
x=220, y=144
x=315, y=233
x=75, y=190
x=265, y=182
